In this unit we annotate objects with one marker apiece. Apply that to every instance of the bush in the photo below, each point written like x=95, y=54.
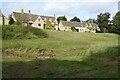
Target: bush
x=38, y=32
x=73, y=28
x=18, y=23
x=15, y=31
x=48, y=25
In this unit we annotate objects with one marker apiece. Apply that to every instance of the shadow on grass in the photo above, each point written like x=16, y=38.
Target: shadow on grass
x=105, y=66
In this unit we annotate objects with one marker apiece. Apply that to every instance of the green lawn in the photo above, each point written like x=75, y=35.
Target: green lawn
x=62, y=54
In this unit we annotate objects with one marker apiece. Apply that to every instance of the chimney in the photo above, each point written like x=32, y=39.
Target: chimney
x=29, y=15
x=29, y=12
x=22, y=11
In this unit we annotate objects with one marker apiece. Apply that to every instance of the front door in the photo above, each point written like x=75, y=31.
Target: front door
x=44, y=26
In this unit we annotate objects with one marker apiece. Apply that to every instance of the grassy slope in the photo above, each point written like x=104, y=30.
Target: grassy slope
x=77, y=55
x=20, y=32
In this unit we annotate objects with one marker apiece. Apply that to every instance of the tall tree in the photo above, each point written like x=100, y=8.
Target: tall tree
x=103, y=21
x=116, y=23
x=75, y=19
x=11, y=21
x=116, y=20
x=63, y=18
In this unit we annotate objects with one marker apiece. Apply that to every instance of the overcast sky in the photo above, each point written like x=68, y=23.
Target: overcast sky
x=83, y=9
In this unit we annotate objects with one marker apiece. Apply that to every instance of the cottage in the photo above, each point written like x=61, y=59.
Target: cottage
x=79, y=26
x=3, y=19
x=33, y=19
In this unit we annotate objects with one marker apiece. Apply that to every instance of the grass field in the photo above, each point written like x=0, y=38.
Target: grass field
x=62, y=54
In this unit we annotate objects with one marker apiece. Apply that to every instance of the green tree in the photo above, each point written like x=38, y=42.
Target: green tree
x=63, y=18
x=115, y=24
x=103, y=21
x=116, y=20
x=73, y=28
x=11, y=21
x=48, y=25
x=75, y=19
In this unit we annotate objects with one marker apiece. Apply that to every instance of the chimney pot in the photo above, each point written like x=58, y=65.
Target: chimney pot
x=22, y=11
x=29, y=11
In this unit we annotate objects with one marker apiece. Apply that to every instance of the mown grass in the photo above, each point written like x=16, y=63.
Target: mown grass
x=84, y=55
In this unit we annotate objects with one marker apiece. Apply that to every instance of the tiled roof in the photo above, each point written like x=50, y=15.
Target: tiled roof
x=72, y=23
x=94, y=25
x=25, y=17
x=48, y=18
x=78, y=24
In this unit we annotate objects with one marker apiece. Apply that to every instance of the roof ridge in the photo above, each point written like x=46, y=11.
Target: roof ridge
x=34, y=14
x=26, y=13
x=71, y=21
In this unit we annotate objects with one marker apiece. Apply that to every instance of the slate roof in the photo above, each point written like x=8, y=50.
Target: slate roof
x=25, y=17
x=78, y=24
x=95, y=25
x=72, y=23
x=47, y=18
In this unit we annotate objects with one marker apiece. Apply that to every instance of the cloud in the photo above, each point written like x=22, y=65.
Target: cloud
x=59, y=0
x=9, y=7
x=83, y=9
x=70, y=8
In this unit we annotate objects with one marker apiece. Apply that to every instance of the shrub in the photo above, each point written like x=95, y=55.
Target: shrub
x=18, y=23
x=38, y=32
x=48, y=25
x=73, y=28
x=15, y=31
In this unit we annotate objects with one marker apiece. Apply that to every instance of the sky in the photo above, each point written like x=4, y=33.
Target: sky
x=83, y=9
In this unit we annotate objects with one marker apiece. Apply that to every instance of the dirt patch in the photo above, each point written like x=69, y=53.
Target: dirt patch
x=46, y=54
x=40, y=54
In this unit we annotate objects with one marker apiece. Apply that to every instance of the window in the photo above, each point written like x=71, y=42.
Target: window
x=38, y=19
x=39, y=24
